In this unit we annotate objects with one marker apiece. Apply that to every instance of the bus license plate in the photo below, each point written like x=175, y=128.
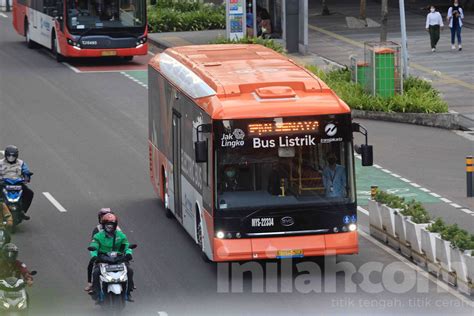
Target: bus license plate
x=263, y=222
x=109, y=53
x=290, y=253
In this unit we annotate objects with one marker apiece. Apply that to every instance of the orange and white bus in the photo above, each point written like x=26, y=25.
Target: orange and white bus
x=239, y=143
x=83, y=28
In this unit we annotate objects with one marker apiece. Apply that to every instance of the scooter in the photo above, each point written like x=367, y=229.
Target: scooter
x=12, y=193
x=13, y=296
x=113, y=278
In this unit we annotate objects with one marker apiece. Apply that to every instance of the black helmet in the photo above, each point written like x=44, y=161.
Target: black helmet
x=11, y=153
x=10, y=252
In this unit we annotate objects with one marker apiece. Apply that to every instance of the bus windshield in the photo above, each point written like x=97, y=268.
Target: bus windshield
x=98, y=14
x=289, y=170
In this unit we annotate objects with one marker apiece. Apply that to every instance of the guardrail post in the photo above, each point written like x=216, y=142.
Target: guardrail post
x=469, y=176
x=7, y=6
x=373, y=191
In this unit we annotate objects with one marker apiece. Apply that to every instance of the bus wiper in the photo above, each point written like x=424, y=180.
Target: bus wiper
x=84, y=33
x=252, y=214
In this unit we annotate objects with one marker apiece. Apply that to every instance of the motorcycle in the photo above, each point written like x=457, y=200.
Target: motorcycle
x=12, y=193
x=13, y=296
x=113, y=278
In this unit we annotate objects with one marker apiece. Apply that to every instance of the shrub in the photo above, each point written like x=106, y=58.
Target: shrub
x=391, y=200
x=253, y=40
x=419, y=96
x=437, y=227
x=177, y=16
x=459, y=238
x=418, y=213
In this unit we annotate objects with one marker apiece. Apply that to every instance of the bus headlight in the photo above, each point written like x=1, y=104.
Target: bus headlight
x=220, y=235
x=352, y=227
x=141, y=41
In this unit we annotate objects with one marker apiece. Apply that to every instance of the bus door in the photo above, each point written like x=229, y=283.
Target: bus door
x=177, y=165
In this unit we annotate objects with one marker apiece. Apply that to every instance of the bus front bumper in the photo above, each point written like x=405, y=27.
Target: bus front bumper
x=102, y=52
x=278, y=247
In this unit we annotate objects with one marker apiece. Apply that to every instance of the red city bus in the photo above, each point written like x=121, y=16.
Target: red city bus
x=83, y=28
x=252, y=153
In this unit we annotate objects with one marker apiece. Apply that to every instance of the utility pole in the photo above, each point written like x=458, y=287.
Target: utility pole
x=384, y=20
x=404, y=39
x=362, y=12
x=325, y=8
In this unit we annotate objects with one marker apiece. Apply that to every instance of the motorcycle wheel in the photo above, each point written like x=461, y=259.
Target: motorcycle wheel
x=116, y=302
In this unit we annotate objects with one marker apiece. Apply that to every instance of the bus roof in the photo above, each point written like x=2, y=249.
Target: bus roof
x=243, y=81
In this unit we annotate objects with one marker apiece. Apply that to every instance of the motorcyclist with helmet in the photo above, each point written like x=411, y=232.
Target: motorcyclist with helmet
x=11, y=266
x=13, y=168
x=97, y=229
x=108, y=240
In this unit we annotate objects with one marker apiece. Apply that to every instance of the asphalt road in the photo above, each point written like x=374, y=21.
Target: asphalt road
x=85, y=137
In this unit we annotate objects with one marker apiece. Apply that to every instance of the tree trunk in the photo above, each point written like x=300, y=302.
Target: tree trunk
x=325, y=8
x=362, y=12
x=384, y=20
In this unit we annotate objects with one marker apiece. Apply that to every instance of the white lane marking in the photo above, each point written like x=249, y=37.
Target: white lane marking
x=4, y=15
x=468, y=135
x=422, y=272
x=363, y=210
x=54, y=202
x=418, y=186
x=467, y=211
x=72, y=67
x=134, y=80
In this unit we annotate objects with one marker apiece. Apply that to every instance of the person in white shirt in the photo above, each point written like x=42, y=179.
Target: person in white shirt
x=434, y=22
x=454, y=18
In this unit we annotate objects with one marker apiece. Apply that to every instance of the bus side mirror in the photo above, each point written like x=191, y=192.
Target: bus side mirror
x=367, y=154
x=200, y=148
x=366, y=151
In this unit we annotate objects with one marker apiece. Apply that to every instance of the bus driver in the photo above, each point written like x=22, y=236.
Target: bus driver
x=334, y=178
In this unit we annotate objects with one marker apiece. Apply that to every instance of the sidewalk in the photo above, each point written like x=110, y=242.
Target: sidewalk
x=331, y=39
x=452, y=72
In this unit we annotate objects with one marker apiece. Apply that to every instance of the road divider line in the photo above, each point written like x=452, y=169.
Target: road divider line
x=72, y=67
x=457, y=206
x=467, y=211
x=54, y=202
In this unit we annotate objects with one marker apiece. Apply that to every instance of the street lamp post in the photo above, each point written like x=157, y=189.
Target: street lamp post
x=404, y=39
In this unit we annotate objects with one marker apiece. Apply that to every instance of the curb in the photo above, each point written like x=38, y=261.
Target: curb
x=157, y=44
x=443, y=120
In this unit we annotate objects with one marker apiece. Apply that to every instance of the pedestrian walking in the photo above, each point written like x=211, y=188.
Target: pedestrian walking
x=434, y=22
x=454, y=18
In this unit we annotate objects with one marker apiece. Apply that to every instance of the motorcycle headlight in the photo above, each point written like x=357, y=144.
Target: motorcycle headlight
x=6, y=305
x=109, y=278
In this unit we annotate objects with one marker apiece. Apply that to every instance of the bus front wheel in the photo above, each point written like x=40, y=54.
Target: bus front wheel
x=29, y=43
x=200, y=238
x=54, y=49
